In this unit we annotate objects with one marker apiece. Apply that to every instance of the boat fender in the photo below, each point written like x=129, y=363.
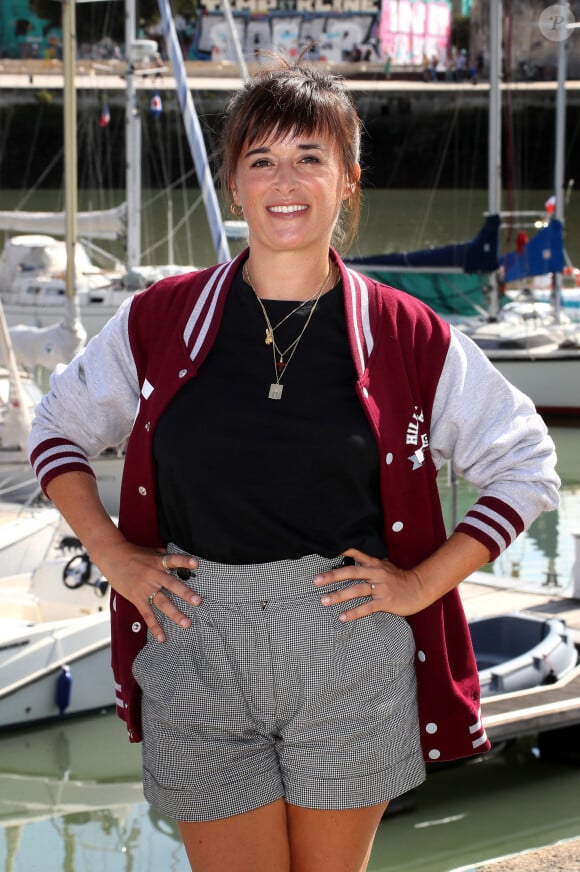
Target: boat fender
x=63, y=689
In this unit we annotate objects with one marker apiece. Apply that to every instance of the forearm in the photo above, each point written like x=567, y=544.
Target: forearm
x=449, y=565
x=76, y=496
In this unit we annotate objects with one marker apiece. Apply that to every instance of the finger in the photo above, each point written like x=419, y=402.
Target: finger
x=181, y=590
x=342, y=573
x=360, y=557
x=364, y=588
x=179, y=563
x=158, y=600
x=358, y=612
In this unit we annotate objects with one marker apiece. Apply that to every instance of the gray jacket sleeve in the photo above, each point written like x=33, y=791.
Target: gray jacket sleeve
x=92, y=402
x=492, y=435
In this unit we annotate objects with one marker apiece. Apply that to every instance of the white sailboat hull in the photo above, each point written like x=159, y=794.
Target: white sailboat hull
x=93, y=316
x=553, y=384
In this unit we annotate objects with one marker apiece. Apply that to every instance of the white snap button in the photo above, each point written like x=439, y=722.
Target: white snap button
x=389, y=458
x=397, y=526
x=136, y=626
x=182, y=373
x=431, y=728
x=421, y=656
x=434, y=754
x=143, y=491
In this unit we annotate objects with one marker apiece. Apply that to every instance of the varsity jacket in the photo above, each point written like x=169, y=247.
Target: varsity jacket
x=430, y=396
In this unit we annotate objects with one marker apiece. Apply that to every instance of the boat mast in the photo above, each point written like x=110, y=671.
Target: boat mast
x=70, y=140
x=194, y=134
x=559, y=160
x=494, y=130
x=236, y=45
x=132, y=143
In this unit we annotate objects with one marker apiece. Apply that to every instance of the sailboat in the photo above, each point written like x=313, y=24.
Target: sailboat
x=536, y=345
x=101, y=298
x=34, y=283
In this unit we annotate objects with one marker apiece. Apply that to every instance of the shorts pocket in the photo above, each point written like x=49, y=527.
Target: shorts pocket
x=379, y=644
x=158, y=666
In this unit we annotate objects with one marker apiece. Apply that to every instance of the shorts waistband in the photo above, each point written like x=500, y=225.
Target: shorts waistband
x=280, y=579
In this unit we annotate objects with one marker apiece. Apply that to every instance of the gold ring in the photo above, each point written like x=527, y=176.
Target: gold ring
x=151, y=597
x=164, y=563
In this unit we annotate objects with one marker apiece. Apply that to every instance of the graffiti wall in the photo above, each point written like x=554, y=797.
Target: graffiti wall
x=411, y=31
x=335, y=29
x=406, y=30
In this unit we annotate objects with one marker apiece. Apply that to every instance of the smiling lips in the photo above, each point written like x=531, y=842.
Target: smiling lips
x=287, y=210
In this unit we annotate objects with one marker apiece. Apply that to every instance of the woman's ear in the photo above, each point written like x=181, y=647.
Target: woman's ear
x=350, y=186
x=234, y=192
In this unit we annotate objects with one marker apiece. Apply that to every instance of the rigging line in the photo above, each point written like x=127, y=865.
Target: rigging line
x=184, y=198
x=57, y=157
x=176, y=227
x=507, y=117
x=171, y=186
x=443, y=156
x=32, y=147
x=98, y=150
x=10, y=110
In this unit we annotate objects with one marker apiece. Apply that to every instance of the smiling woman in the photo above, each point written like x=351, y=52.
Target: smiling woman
x=287, y=635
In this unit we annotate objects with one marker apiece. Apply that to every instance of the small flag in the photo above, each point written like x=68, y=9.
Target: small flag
x=105, y=116
x=156, y=106
x=550, y=205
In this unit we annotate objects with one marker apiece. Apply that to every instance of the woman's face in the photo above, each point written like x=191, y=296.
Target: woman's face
x=291, y=190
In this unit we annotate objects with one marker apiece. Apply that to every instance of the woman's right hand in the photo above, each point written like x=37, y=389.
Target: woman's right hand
x=142, y=576
x=139, y=574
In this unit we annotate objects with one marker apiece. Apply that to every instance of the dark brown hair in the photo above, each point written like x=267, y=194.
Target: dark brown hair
x=295, y=98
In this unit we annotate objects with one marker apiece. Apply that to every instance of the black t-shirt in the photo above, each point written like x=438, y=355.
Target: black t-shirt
x=247, y=479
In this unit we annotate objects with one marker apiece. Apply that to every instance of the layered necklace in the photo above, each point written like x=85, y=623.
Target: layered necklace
x=282, y=357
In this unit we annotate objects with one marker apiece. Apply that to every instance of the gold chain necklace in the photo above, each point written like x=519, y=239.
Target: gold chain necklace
x=269, y=338
x=280, y=365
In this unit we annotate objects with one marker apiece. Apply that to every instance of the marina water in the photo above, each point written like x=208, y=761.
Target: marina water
x=70, y=793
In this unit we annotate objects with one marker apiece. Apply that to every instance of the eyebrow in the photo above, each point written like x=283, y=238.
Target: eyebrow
x=264, y=149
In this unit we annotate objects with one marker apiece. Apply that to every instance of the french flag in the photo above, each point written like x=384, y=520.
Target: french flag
x=105, y=116
x=156, y=106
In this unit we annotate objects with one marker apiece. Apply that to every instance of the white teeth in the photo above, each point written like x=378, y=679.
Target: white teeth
x=287, y=209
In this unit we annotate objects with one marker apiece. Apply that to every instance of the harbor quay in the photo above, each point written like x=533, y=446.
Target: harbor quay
x=413, y=131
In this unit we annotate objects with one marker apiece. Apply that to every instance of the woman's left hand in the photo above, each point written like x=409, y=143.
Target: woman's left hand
x=388, y=588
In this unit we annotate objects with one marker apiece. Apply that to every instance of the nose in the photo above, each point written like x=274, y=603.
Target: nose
x=285, y=177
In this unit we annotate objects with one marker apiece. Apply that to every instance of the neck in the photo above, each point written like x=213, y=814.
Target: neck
x=298, y=279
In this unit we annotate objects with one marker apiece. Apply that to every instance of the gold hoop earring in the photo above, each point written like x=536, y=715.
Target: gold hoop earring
x=236, y=210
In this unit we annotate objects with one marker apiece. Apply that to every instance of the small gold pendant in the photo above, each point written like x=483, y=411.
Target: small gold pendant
x=269, y=338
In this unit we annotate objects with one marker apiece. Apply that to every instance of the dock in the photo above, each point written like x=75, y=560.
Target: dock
x=537, y=710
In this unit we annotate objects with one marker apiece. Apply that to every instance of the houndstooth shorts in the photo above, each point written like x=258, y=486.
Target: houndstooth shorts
x=268, y=695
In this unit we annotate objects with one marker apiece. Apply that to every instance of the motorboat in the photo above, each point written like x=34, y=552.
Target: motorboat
x=26, y=535
x=518, y=651
x=54, y=640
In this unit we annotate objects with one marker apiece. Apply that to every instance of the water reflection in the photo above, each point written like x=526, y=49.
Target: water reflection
x=71, y=801
x=71, y=798
x=543, y=555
